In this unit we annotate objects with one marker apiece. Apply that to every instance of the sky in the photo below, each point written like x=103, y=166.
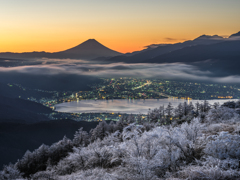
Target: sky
x=124, y=26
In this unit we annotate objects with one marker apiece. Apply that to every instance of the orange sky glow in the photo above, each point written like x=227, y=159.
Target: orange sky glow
x=124, y=26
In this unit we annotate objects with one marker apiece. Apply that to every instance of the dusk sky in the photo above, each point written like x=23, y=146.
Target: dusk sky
x=125, y=26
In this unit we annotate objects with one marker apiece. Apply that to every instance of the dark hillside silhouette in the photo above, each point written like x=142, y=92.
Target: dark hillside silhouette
x=17, y=138
x=20, y=110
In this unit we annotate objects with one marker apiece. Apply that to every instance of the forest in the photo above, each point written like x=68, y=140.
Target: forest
x=191, y=141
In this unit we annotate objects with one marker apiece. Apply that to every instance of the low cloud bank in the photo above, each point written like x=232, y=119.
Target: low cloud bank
x=175, y=71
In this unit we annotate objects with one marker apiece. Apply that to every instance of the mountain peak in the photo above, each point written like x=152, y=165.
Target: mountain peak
x=91, y=40
x=214, y=37
x=203, y=36
x=91, y=49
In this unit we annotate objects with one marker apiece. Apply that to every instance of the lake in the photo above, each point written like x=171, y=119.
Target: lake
x=123, y=105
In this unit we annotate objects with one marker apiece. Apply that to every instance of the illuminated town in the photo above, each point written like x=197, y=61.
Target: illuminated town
x=131, y=88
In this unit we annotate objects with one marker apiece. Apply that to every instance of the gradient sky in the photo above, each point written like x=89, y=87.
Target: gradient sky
x=122, y=25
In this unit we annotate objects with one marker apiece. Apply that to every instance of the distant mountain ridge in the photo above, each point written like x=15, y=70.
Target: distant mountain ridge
x=160, y=49
x=216, y=54
x=93, y=50
x=223, y=59
x=235, y=35
x=87, y=50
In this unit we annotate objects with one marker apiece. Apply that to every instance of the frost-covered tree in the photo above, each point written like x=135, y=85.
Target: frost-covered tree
x=132, y=130
x=205, y=106
x=111, y=127
x=222, y=114
x=223, y=146
x=37, y=160
x=169, y=110
x=179, y=111
x=153, y=116
x=121, y=124
x=100, y=131
x=130, y=119
x=216, y=105
x=203, y=147
x=10, y=172
x=81, y=138
x=60, y=150
x=197, y=107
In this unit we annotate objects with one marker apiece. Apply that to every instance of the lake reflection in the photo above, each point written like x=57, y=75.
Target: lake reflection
x=122, y=105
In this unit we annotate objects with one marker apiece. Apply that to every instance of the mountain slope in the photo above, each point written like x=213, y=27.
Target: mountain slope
x=19, y=110
x=89, y=49
x=222, y=57
x=224, y=50
x=235, y=35
x=167, y=48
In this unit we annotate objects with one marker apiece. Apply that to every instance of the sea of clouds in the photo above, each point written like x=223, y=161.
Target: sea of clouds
x=174, y=71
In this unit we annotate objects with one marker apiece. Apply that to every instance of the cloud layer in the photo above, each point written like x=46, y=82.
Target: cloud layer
x=176, y=71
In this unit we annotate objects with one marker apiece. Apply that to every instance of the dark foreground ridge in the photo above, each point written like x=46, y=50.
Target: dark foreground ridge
x=17, y=138
x=20, y=110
